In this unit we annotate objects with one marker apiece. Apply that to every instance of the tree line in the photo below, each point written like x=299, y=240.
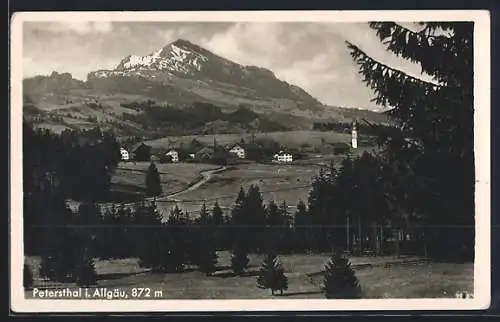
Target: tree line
x=76, y=164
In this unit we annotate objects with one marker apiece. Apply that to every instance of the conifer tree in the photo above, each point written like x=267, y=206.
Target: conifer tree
x=272, y=274
x=153, y=182
x=85, y=273
x=340, y=282
x=59, y=258
x=149, y=229
x=285, y=231
x=274, y=222
x=254, y=219
x=239, y=233
x=220, y=238
x=206, y=255
x=176, y=248
x=436, y=119
x=302, y=234
x=208, y=259
x=239, y=260
x=27, y=277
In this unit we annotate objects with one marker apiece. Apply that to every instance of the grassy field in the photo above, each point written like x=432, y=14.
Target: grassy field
x=288, y=183
x=411, y=280
x=291, y=139
x=130, y=177
x=277, y=182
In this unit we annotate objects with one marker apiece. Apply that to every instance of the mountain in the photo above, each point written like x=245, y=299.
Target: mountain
x=179, y=89
x=182, y=72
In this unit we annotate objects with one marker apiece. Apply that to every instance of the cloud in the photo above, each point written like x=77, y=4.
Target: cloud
x=80, y=27
x=313, y=56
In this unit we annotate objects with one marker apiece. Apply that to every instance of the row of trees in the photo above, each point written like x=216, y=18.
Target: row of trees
x=165, y=245
x=74, y=165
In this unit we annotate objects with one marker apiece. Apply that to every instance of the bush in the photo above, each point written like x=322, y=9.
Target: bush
x=340, y=281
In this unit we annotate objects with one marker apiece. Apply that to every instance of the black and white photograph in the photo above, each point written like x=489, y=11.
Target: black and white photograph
x=312, y=161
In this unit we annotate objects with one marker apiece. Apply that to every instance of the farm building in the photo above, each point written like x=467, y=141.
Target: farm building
x=141, y=152
x=238, y=151
x=283, y=157
x=174, y=155
x=125, y=156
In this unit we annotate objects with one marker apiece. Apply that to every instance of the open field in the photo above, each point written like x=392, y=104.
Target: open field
x=412, y=279
x=291, y=139
x=288, y=183
x=278, y=182
x=130, y=177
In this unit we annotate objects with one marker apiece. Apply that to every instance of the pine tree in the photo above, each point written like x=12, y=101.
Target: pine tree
x=321, y=204
x=153, y=182
x=85, y=273
x=220, y=238
x=217, y=215
x=206, y=255
x=340, y=281
x=27, y=277
x=254, y=219
x=239, y=260
x=208, y=260
x=147, y=226
x=177, y=243
x=436, y=118
x=273, y=227
x=58, y=257
x=301, y=227
x=285, y=231
x=272, y=274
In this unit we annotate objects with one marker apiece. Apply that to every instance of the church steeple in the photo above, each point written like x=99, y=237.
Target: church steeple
x=354, y=136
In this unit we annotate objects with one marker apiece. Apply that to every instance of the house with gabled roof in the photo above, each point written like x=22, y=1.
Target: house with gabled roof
x=238, y=151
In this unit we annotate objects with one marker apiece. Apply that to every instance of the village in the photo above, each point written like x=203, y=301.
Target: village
x=198, y=152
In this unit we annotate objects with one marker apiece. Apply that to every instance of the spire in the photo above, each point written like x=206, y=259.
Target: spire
x=354, y=136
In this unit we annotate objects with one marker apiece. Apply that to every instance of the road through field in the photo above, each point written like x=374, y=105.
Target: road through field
x=206, y=175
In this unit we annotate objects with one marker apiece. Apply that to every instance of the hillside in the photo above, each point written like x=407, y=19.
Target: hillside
x=189, y=82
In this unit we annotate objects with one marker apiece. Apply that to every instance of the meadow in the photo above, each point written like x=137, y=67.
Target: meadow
x=289, y=183
x=130, y=177
x=291, y=139
x=385, y=277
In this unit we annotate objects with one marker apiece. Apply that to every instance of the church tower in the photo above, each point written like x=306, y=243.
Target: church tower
x=354, y=136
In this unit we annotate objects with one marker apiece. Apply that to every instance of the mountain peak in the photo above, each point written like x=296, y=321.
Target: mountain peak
x=182, y=61
x=183, y=42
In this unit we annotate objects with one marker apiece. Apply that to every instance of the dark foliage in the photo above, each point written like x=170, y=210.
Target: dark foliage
x=340, y=281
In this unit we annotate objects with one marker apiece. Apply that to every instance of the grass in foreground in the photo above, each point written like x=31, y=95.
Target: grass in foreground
x=412, y=280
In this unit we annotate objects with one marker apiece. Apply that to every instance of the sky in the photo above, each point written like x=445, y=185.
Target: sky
x=312, y=55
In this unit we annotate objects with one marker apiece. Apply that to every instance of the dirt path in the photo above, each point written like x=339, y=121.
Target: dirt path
x=206, y=175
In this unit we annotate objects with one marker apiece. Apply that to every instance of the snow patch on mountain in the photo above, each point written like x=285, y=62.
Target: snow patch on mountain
x=146, y=61
x=173, y=58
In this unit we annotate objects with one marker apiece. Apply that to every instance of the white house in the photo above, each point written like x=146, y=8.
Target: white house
x=354, y=136
x=174, y=155
x=192, y=155
x=125, y=156
x=238, y=151
x=283, y=157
